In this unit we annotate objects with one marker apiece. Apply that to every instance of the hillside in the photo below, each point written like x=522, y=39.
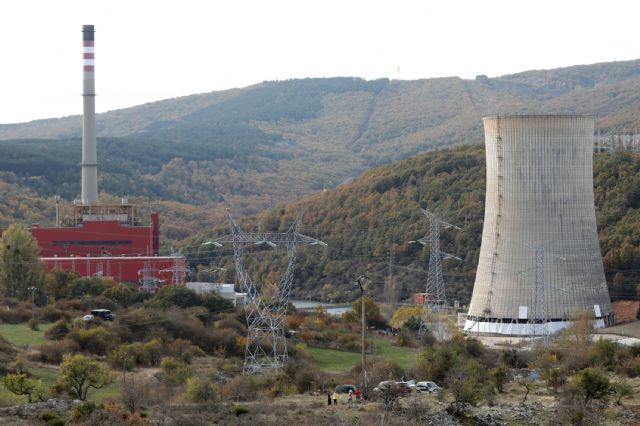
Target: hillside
x=254, y=147
x=369, y=222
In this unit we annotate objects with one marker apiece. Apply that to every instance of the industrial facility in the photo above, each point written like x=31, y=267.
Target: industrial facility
x=540, y=257
x=104, y=240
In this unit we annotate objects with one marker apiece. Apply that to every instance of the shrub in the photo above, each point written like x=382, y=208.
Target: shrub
x=119, y=359
x=465, y=382
x=85, y=286
x=174, y=372
x=123, y=294
x=239, y=410
x=95, y=302
x=499, y=376
x=303, y=373
x=51, y=418
x=33, y=324
x=592, y=384
x=97, y=340
x=177, y=296
x=240, y=388
x=183, y=349
x=50, y=313
x=15, y=315
x=201, y=389
x=58, y=330
x=52, y=353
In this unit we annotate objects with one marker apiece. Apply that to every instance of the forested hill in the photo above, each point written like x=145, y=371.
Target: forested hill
x=369, y=222
x=276, y=141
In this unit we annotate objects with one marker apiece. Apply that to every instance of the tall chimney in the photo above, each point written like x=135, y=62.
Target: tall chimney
x=89, y=163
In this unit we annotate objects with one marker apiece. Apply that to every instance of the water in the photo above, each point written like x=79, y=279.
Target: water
x=333, y=309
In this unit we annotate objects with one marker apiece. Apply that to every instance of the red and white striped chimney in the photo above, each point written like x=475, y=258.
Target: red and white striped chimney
x=89, y=163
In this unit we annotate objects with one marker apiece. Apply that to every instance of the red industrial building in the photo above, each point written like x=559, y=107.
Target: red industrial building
x=105, y=240
x=109, y=241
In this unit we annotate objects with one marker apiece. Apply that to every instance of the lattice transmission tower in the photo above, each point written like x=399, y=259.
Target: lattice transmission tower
x=435, y=300
x=266, y=344
x=178, y=271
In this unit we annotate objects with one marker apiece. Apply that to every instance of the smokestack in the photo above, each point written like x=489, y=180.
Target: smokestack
x=89, y=163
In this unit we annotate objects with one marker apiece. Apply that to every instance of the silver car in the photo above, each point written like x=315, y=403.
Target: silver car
x=428, y=387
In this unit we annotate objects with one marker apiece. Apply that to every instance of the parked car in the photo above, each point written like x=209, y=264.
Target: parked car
x=403, y=387
x=428, y=387
x=87, y=318
x=384, y=385
x=411, y=383
x=346, y=388
x=105, y=314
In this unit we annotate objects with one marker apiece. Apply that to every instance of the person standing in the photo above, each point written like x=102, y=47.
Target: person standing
x=350, y=396
x=335, y=398
x=328, y=398
x=358, y=394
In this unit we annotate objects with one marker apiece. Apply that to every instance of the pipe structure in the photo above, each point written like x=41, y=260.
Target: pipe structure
x=539, y=199
x=89, y=165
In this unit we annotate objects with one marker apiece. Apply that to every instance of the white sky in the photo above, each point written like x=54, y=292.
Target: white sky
x=153, y=50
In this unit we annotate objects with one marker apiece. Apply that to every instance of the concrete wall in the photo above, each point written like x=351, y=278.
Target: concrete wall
x=539, y=195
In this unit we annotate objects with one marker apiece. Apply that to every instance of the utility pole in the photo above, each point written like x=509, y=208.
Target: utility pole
x=363, y=282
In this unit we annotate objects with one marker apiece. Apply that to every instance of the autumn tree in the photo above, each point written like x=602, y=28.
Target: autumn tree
x=371, y=311
x=79, y=373
x=21, y=384
x=19, y=267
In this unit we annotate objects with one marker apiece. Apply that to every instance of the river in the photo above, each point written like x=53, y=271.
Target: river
x=334, y=309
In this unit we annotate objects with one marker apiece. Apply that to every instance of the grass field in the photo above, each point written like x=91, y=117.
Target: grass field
x=21, y=334
x=335, y=360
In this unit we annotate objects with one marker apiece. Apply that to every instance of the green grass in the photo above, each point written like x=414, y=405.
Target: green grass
x=335, y=360
x=21, y=334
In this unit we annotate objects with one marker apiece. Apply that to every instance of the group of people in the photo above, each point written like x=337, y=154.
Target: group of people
x=336, y=396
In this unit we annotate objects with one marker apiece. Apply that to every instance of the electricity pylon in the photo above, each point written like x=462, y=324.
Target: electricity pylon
x=266, y=344
x=435, y=300
x=178, y=270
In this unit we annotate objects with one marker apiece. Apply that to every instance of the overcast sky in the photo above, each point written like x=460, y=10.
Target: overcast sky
x=153, y=50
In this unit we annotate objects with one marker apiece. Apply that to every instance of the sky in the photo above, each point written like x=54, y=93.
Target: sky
x=153, y=50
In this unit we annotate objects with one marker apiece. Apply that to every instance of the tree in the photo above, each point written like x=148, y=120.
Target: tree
x=592, y=384
x=465, y=382
x=404, y=314
x=79, y=373
x=555, y=378
x=499, y=376
x=371, y=311
x=20, y=384
x=124, y=294
x=177, y=296
x=19, y=266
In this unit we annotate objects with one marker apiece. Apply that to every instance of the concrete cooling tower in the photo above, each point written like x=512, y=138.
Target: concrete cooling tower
x=540, y=257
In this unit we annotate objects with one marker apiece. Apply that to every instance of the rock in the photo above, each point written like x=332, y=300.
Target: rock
x=60, y=406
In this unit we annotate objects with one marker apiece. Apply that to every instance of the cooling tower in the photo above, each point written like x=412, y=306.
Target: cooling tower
x=540, y=256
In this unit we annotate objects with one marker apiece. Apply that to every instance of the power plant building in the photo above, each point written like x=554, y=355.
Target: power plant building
x=104, y=240
x=540, y=257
